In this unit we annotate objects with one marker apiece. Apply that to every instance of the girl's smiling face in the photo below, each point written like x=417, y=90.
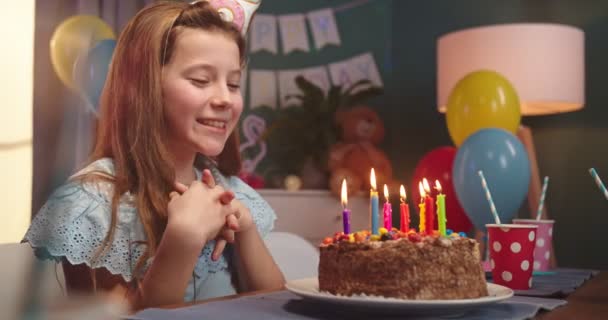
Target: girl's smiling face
x=202, y=97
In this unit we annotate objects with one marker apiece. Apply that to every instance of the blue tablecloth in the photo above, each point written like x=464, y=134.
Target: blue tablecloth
x=286, y=305
x=557, y=283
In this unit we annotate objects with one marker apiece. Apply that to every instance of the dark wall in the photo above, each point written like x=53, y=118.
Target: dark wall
x=567, y=145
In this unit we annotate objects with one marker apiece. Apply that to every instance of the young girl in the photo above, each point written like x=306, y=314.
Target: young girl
x=152, y=212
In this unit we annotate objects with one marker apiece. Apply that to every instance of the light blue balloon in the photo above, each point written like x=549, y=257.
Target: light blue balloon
x=505, y=165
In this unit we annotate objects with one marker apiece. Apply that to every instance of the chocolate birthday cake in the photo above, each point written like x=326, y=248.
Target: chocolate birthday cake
x=402, y=265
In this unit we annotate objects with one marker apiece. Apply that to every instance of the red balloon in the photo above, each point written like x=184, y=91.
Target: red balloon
x=437, y=165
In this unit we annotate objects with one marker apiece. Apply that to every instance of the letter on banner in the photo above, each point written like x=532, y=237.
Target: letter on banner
x=347, y=72
x=293, y=33
x=287, y=82
x=263, y=88
x=324, y=29
x=264, y=33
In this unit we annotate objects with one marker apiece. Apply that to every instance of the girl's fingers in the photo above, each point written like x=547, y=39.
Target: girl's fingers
x=220, y=245
x=180, y=187
x=232, y=222
x=207, y=178
x=228, y=235
x=226, y=197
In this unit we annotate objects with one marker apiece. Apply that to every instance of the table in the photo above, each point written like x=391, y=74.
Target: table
x=590, y=301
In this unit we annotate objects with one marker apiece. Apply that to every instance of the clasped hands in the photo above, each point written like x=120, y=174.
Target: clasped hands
x=206, y=211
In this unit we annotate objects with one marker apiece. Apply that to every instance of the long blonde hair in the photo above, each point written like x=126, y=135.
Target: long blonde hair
x=132, y=129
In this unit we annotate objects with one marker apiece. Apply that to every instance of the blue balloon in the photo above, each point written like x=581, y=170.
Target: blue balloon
x=94, y=69
x=505, y=165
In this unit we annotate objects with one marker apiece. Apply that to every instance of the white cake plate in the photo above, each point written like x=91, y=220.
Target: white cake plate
x=309, y=289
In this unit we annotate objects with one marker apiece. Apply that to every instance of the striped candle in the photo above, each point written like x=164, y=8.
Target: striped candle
x=489, y=197
x=541, y=203
x=599, y=182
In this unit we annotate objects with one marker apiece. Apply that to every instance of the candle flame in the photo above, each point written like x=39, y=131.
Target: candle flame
x=402, y=193
x=438, y=186
x=344, y=196
x=372, y=180
x=386, y=192
x=422, y=193
x=425, y=183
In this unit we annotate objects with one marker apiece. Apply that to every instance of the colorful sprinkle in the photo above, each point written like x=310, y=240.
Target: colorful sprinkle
x=360, y=237
x=449, y=232
x=414, y=237
x=462, y=234
x=351, y=238
x=374, y=237
x=386, y=236
x=328, y=240
x=382, y=231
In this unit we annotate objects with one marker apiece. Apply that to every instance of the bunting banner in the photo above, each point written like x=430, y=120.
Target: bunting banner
x=292, y=29
x=293, y=33
x=324, y=28
x=360, y=67
x=288, y=87
x=263, y=34
x=263, y=83
x=263, y=88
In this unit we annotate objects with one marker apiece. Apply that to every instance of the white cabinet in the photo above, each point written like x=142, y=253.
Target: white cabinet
x=315, y=214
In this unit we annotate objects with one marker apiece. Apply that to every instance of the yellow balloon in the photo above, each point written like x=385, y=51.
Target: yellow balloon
x=482, y=99
x=72, y=37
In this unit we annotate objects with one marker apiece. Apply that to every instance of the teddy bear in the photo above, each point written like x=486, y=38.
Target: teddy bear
x=353, y=157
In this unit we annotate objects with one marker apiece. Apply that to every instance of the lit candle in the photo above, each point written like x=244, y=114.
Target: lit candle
x=430, y=208
x=404, y=210
x=373, y=204
x=422, y=225
x=440, y=209
x=345, y=212
x=388, y=211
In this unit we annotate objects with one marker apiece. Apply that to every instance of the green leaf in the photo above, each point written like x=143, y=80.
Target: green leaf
x=361, y=96
x=334, y=97
x=354, y=86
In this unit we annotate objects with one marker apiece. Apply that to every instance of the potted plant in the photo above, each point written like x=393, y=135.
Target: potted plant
x=300, y=135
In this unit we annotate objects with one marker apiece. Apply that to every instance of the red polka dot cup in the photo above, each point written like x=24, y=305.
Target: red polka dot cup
x=512, y=254
x=544, y=241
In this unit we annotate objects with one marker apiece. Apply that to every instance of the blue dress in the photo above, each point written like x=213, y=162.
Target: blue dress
x=74, y=221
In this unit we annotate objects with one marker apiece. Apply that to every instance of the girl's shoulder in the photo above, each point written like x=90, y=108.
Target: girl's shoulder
x=76, y=218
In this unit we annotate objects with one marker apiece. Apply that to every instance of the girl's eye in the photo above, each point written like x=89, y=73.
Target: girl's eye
x=199, y=82
x=234, y=86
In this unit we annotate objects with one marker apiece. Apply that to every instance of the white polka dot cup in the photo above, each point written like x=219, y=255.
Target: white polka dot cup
x=512, y=254
x=544, y=241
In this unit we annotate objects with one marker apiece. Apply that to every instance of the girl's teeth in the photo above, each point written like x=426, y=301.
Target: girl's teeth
x=213, y=123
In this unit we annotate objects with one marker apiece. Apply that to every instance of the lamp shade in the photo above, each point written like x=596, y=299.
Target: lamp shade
x=545, y=63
